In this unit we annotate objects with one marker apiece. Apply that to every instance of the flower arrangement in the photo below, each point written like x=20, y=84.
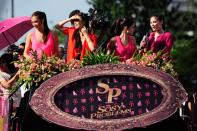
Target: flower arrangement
x=155, y=60
x=74, y=64
x=35, y=71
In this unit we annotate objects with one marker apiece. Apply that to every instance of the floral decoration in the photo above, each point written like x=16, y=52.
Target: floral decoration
x=35, y=71
x=155, y=60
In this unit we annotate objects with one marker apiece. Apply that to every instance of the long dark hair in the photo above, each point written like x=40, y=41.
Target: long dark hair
x=42, y=16
x=7, y=58
x=84, y=18
x=119, y=24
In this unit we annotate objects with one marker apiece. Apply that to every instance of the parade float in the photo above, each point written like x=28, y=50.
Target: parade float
x=100, y=93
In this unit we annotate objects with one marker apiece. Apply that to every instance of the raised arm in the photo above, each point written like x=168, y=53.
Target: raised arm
x=91, y=42
x=60, y=25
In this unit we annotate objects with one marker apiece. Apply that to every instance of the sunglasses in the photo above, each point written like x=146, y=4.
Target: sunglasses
x=75, y=20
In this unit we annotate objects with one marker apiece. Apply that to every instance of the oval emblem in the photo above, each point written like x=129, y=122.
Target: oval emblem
x=108, y=97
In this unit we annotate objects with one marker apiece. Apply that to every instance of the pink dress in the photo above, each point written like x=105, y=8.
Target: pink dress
x=124, y=51
x=163, y=42
x=47, y=48
x=4, y=102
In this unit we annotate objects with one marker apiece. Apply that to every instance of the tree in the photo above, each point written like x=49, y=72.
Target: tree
x=139, y=9
x=185, y=54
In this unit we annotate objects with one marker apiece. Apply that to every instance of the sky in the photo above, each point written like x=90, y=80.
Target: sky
x=56, y=10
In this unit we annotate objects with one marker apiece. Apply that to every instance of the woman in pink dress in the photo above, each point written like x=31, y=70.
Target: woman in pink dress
x=158, y=39
x=42, y=40
x=123, y=44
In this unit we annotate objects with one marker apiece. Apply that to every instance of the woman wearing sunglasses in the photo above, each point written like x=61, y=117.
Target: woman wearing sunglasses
x=80, y=39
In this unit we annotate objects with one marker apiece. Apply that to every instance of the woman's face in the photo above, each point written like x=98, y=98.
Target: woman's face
x=78, y=23
x=37, y=23
x=155, y=24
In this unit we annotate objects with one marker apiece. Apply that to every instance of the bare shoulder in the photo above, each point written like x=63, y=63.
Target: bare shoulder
x=29, y=35
x=113, y=39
